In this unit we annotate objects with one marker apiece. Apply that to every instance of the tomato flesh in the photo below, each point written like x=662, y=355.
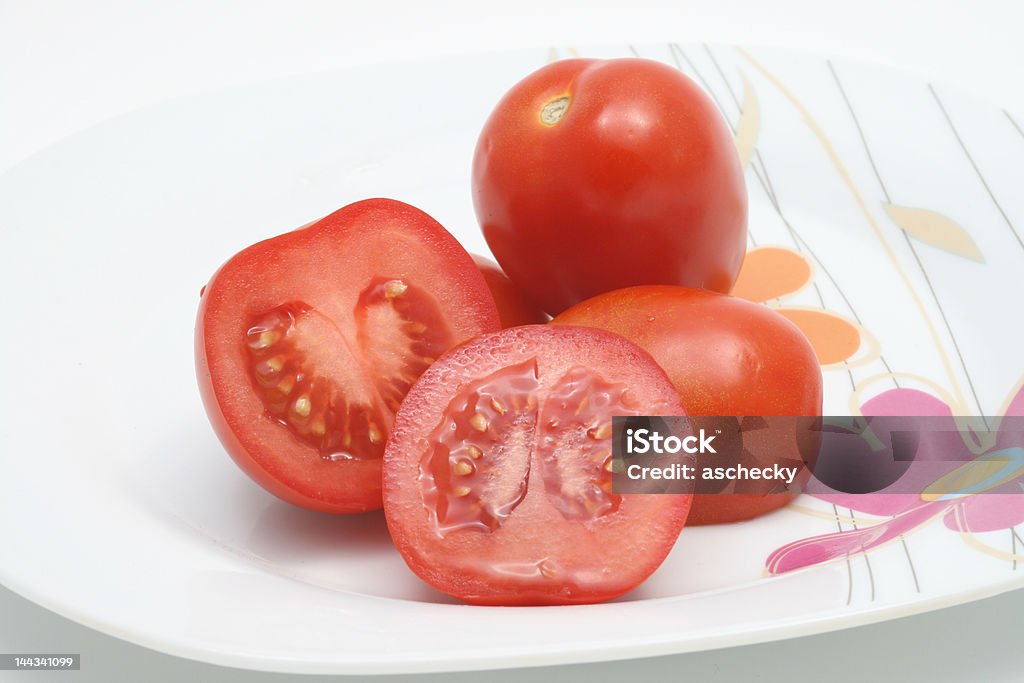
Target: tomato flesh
x=475, y=472
x=497, y=479
x=306, y=344
x=726, y=356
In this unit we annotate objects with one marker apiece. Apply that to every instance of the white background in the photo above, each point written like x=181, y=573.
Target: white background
x=65, y=66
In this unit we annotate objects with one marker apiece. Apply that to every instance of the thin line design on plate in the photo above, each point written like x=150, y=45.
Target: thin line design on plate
x=841, y=337
x=910, y=242
x=974, y=165
x=1013, y=123
x=967, y=536
x=955, y=513
x=876, y=229
x=831, y=358
x=924, y=271
x=867, y=558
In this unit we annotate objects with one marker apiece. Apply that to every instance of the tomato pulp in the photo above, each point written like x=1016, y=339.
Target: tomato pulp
x=306, y=344
x=497, y=476
x=593, y=175
x=726, y=356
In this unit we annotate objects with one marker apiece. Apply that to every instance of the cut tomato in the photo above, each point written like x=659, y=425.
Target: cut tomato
x=497, y=476
x=306, y=344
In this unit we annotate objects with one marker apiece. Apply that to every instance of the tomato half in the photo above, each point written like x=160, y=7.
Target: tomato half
x=306, y=344
x=726, y=356
x=593, y=175
x=497, y=476
x=514, y=308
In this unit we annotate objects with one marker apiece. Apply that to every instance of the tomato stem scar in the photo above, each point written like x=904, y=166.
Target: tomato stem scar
x=552, y=112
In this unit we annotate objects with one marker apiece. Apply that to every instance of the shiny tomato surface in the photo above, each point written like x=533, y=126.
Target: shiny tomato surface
x=593, y=175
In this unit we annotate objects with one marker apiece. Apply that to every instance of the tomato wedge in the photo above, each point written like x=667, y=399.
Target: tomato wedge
x=306, y=344
x=497, y=476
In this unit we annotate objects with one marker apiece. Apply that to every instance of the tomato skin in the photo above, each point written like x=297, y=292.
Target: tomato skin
x=313, y=264
x=637, y=183
x=537, y=555
x=725, y=355
x=514, y=308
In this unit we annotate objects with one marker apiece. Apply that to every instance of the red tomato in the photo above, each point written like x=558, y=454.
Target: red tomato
x=497, y=484
x=594, y=175
x=514, y=308
x=726, y=356
x=307, y=342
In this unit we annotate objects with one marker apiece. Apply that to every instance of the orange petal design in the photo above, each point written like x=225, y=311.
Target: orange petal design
x=833, y=338
x=771, y=272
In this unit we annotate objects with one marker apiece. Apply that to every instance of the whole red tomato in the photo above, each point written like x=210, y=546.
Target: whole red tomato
x=726, y=356
x=593, y=175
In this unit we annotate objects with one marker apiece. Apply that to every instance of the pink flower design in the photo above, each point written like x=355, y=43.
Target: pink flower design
x=970, y=513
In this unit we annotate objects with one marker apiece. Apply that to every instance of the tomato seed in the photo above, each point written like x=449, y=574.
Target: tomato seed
x=302, y=406
x=479, y=422
x=394, y=289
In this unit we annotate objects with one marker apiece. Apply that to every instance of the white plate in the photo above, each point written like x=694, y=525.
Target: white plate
x=119, y=509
